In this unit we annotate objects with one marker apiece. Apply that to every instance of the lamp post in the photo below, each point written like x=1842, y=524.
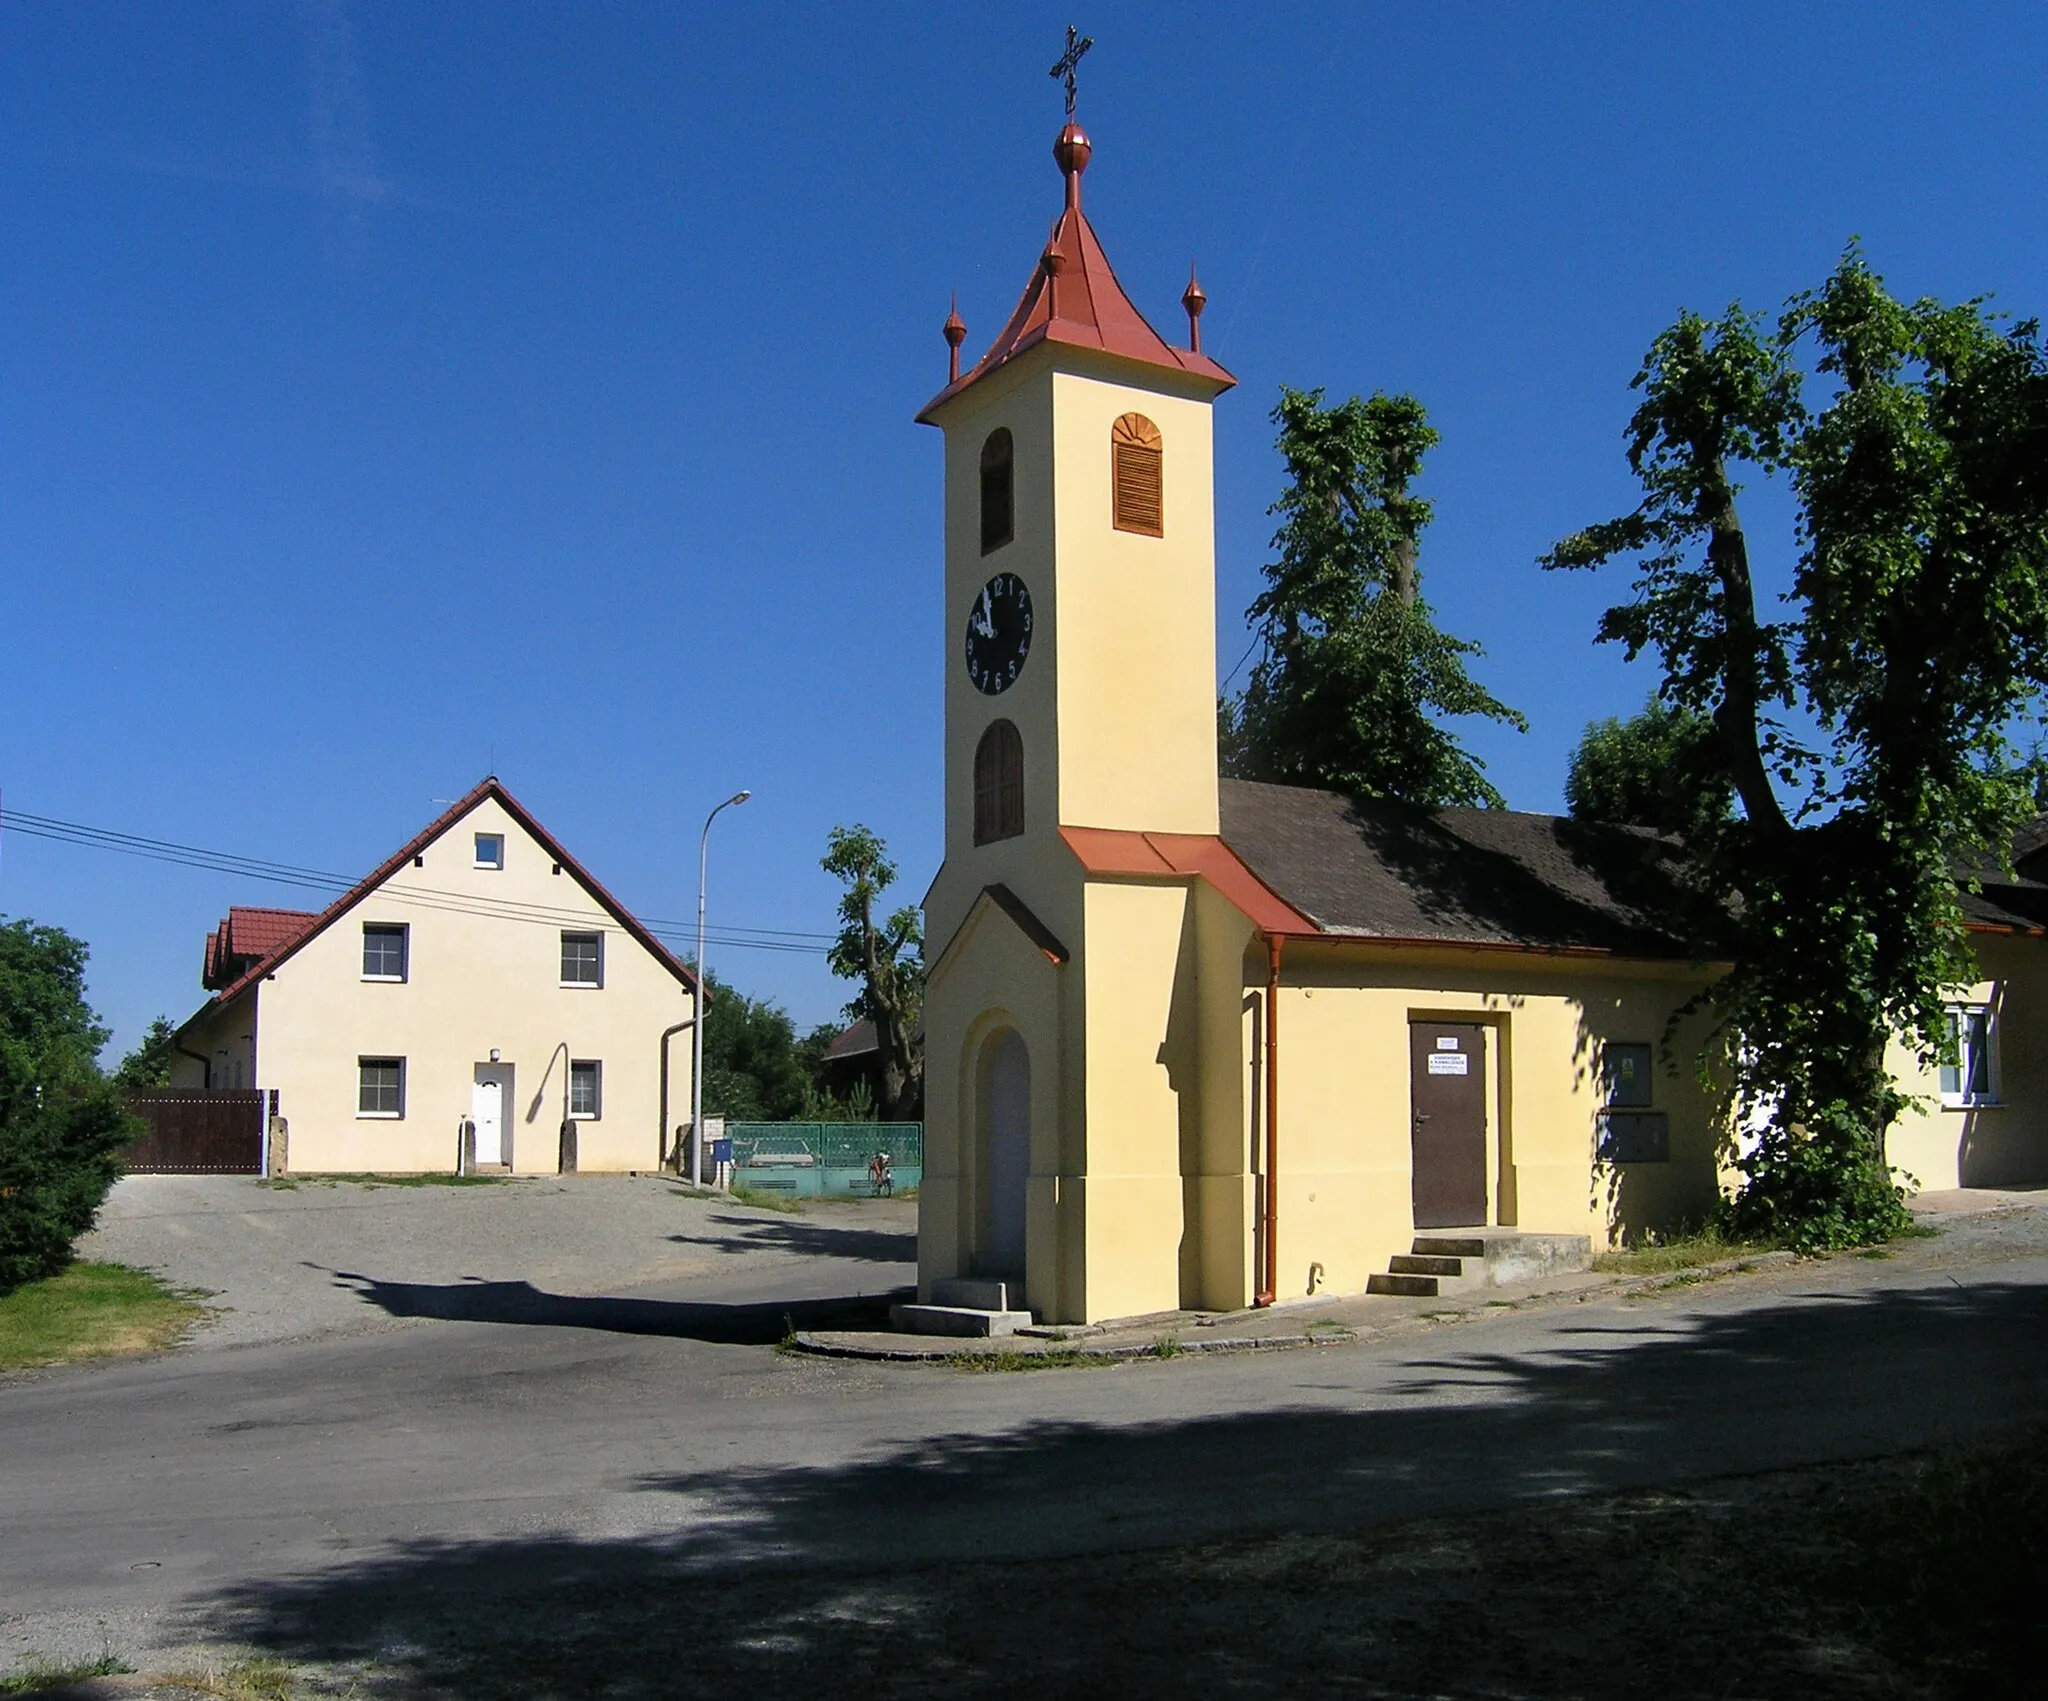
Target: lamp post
x=697, y=1029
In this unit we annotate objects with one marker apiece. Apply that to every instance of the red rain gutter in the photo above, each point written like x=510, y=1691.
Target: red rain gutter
x=1270, y=1285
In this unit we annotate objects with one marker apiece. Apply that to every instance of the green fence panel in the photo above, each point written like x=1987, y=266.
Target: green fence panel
x=824, y=1159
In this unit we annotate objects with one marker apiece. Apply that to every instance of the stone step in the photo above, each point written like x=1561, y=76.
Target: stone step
x=1449, y=1246
x=1506, y=1257
x=956, y=1320
x=1425, y=1264
x=1407, y=1287
x=977, y=1293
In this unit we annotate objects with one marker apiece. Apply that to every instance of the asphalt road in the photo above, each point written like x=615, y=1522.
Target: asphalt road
x=307, y=1496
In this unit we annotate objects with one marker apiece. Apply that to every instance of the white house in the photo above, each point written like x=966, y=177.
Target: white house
x=479, y=999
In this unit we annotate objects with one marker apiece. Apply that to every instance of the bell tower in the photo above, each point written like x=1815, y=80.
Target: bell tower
x=1080, y=701
x=1080, y=563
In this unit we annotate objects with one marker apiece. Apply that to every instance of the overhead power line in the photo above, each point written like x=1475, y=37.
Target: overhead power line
x=323, y=881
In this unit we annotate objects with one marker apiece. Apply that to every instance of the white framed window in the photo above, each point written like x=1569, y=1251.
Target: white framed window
x=490, y=850
x=384, y=950
x=586, y=1089
x=583, y=959
x=1973, y=1077
x=380, y=1087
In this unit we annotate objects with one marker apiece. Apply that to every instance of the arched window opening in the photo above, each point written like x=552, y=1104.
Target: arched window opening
x=998, y=784
x=1137, y=475
x=998, y=490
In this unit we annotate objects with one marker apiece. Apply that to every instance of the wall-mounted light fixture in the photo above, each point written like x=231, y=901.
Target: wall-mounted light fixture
x=494, y=1054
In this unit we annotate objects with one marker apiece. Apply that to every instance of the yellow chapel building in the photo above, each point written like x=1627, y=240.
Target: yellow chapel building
x=1197, y=1043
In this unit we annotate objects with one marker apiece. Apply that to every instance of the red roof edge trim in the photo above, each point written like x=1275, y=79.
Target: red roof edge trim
x=1115, y=851
x=488, y=789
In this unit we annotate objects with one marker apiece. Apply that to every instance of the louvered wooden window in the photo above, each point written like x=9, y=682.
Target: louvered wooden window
x=1137, y=457
x=998, y=490
x=998, y=784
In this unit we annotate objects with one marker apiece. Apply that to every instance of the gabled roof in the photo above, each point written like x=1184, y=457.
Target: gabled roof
x=1487, y=877
x=489, y=790
x=1074, y=298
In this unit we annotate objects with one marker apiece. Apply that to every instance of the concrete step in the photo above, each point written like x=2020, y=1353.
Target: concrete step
x=1449, y=1246
x=1425, y=1264
x=956, y=1320
x=1507, y=1257
x=1406, y=1287
x=977, y=1293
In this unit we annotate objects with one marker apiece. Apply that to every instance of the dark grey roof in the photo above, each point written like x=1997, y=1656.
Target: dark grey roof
x=1499, y=877
x=1462, y=876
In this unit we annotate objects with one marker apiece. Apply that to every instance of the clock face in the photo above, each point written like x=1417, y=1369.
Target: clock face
x=998, y=634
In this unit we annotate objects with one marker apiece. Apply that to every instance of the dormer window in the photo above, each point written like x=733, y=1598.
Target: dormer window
x=998, y=784
x=998, y=490
x=1137, y=455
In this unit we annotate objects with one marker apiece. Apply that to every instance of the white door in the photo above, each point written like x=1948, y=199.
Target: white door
x=487, y=1111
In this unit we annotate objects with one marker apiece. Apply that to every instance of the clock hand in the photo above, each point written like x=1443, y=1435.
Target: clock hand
x=984, y=615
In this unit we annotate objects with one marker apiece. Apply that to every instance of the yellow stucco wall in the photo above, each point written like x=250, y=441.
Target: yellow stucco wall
x=1345, y=1164
x=1137, y=673
x=476, y=980
x=1999, y=1145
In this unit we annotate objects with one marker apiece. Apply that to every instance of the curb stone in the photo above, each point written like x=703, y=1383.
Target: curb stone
x=808, y=1343
x=1336, y=1335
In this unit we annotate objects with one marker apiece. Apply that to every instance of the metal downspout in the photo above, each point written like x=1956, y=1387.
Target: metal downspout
x=661, y=1145
x=1270, y=1283
x=205, y=1063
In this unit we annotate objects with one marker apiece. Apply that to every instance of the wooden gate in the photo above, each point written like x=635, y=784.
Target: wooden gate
x=192, y=1132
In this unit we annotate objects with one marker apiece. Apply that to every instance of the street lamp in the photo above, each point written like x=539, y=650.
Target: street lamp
x=697, y=1027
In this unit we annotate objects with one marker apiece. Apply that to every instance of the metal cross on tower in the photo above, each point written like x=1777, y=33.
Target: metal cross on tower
x=1077, y=45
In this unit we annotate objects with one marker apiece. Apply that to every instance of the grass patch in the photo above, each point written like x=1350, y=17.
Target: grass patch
x=1948, y=1571
x=31, y=1680
x=248, y=1680
x=766, y=1199
x=92, y=1311
x=1009, y=1358
x=1655, y=1254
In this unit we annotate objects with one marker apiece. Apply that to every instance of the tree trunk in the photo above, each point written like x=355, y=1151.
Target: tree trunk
x=1736, y=715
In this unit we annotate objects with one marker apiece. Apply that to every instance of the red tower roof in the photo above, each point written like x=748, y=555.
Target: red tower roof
x=1074, y=298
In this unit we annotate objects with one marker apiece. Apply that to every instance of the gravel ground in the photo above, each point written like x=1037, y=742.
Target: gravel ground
x=285, y=1262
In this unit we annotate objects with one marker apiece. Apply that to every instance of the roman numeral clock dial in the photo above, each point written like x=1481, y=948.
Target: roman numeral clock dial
x=998, y=634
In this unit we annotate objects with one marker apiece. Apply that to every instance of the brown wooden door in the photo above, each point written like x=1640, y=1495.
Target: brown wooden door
x=1447, y=1097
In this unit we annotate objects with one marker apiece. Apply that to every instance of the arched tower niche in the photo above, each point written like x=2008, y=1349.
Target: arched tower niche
x=1002, y=1149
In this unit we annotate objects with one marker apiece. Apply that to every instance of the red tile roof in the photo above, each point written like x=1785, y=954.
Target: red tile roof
x=247, y=933
x=1074, y=298
x=489, y=789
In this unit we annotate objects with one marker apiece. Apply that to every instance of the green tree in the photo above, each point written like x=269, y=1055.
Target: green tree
x=886, y=959
x=1355, y=677
x=1915, y=639
x=1661, y=768
x=149, y=1064
x=61, y=1121
x=753, y=1070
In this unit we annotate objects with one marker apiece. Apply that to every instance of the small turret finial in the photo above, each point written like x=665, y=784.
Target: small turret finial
x=1194, y=301
x=956, y=334
x=1054, y=262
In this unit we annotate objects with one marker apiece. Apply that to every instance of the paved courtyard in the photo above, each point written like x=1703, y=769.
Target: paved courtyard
x=318, y=1257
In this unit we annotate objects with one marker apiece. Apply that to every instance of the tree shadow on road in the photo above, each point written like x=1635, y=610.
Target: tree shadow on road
x=1266, y=1552
x=759, y=1324
x=806, y=1239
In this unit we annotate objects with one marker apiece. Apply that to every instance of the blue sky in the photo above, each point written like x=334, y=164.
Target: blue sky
x=388, y=391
